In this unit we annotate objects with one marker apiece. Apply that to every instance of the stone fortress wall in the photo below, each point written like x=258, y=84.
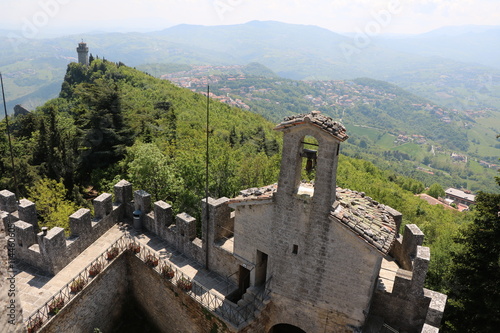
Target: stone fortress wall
x=51, y=250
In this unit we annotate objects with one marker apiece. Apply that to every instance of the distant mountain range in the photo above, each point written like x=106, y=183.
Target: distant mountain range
x=473, y=44
x=449, y=65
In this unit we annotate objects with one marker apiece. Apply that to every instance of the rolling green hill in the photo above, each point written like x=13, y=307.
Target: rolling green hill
x=387, y=125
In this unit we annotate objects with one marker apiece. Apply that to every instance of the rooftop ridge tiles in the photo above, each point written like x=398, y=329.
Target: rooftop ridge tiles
x=315, y=118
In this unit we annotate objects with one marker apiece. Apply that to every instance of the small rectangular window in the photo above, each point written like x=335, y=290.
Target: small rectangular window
x=295, y=249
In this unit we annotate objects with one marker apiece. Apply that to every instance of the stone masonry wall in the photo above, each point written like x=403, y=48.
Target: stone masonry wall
x=220, y=228
x=410, y=306
x=306, y=317
x=252, y=233
x=179, y=231
x=11, y=315
x=304, y=279
x=98, y=305
x=404, y=249
x=166, y=305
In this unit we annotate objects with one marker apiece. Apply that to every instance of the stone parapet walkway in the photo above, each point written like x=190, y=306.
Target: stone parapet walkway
x=36, y=287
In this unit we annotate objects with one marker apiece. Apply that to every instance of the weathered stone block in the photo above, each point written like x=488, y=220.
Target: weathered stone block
x=221, y=223
x=123, y=191
x=163, y=214
x=25, y=234
x=27, y=212
x=142, y=200
x=8, y=201
x=420, y=267
x=103, y=205
x=80, y=222
x=54, y=242
x=436, y=307
x=186, y=225
x=53, y=249
x=412, y=237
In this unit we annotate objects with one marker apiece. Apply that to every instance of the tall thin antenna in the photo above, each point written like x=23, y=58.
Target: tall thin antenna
x=10, y=141
x=206, y=178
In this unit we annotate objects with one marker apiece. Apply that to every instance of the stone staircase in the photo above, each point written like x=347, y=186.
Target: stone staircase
x=252, y=303
x=246, y=310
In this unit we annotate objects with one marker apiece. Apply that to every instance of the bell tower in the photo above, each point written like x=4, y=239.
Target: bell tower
x=83, y=53
x=329, y=134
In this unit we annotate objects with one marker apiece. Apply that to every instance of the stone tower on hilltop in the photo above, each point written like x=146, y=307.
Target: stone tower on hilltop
x=83, y=53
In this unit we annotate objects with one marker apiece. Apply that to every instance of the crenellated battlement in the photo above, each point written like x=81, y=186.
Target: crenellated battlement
x=409, y=300
x=50, y=250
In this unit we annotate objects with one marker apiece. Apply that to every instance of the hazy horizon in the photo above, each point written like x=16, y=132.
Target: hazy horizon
x=51, y=18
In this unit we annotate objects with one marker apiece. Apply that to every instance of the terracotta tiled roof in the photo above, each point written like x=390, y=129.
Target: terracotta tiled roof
x=434, y=201
x=325, y=123
x=366, y=218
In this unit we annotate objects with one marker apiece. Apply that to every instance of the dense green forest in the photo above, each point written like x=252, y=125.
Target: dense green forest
x=113, y=122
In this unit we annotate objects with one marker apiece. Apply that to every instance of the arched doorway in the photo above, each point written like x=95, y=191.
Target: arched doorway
x=286, y=328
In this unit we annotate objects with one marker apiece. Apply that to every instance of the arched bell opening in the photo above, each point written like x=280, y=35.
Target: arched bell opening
x=309, y=160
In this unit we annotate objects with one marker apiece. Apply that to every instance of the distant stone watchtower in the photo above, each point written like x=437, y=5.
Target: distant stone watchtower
x=83, y=53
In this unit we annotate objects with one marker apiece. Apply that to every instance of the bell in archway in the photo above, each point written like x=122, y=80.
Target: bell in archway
x=311, y=156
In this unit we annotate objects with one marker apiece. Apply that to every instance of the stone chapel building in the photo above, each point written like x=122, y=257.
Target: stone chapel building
x=323, y=246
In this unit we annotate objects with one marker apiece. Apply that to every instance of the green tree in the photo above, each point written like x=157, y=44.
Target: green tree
x=105, y=131
x=149, y=170
x=474, y=298
x=51, y=203
x=436, y=191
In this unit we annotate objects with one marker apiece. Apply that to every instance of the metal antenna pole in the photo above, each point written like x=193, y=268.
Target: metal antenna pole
x=10, y=141
x=207, y=211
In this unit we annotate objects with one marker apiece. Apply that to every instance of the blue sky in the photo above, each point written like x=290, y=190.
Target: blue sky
x=384, y=16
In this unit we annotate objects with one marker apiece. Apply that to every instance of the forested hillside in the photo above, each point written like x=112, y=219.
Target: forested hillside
x=113, y=122
x=387, y=125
